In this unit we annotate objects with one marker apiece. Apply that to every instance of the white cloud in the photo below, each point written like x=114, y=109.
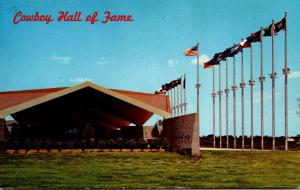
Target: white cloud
x=102, y=61
x=172, y=63
x=62, y=59
x=80, y=79
x=267, y=96
x=295, y=74
x=202, y=59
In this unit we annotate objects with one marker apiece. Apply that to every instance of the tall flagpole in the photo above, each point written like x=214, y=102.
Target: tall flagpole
x=174, y=101
x=242, y=85
x=198, y=92
x=214, y=107
x=181, y=96
x=178, y=106
x=261, y=80
x=286, y=71
x=220, y=107
x=234, y=88
x=273, y=75
x=226, y=92
x=171, y=101
x=251, y=83
x=185, y=104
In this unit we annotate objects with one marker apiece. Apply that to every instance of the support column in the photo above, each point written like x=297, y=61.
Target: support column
x=2, y=128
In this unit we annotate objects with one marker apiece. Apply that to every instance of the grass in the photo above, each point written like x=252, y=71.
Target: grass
x=216, y=169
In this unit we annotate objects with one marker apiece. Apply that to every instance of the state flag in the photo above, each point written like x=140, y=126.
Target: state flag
x=281, y=25
x=267, y=31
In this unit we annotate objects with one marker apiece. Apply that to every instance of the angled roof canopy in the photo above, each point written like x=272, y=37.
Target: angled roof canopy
x=114, y=107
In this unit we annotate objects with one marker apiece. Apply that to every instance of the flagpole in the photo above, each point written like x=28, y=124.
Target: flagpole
x=285, y=72
x=251, y=83
x=226, y=92
x=214, y=107
x=171, y=101
x=185, y=104
x=234, y=88
x=261, y=80
x=181, y=96
x=174, y=101
x=242, y=85
x=198, y=89
x=220, y=107
x=178, y=109
x=273, y=75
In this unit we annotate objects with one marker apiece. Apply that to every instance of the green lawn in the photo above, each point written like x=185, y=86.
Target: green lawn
x=216, y=169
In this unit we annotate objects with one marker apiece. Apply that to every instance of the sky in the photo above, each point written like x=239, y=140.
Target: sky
x=144, y=54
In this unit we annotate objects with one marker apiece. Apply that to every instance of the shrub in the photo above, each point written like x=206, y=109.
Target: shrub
x=47, y=144
x=154, y=144
x=119, y=143
x=101, y=144
x=142, y=144
x=83, y=145
x=3, y=147
x=27, y=145
x=163, y=143
x=111, y=143
x=15, y=146
x=59, y=146
x=131, y=144
x=70, y=144
x=36, y=145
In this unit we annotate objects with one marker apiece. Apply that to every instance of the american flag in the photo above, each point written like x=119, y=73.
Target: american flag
x=191, y=51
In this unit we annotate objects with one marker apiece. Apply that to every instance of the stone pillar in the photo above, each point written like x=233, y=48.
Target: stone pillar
x=2, y=128
x=182, y=133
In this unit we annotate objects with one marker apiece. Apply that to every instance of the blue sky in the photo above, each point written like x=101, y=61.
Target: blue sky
x=148, y=52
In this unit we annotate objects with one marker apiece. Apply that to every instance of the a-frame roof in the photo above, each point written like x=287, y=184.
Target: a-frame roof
x=65, y=91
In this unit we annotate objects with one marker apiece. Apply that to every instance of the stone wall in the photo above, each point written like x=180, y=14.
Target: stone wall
x=182, y=133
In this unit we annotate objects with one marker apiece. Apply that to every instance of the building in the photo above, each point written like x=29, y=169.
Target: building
x=82, y=111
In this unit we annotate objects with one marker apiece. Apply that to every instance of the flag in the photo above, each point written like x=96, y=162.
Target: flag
x=267, y=31
x=255, y=37
x=160, y=91
x=184, y=82
x=281, y=25
x=245, y=43
x=230, y=52
x=214, y=61
x=191, y=51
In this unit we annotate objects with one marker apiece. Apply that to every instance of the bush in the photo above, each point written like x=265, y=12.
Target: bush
x=15, y=146
x=142, y=144
x=163, y=143
x=111, y=143
x=119, y=143
x=59, y=146
x=83, y=145
x=101, y=144
x=154, y=144
x=3, y=147
x=131, y=144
